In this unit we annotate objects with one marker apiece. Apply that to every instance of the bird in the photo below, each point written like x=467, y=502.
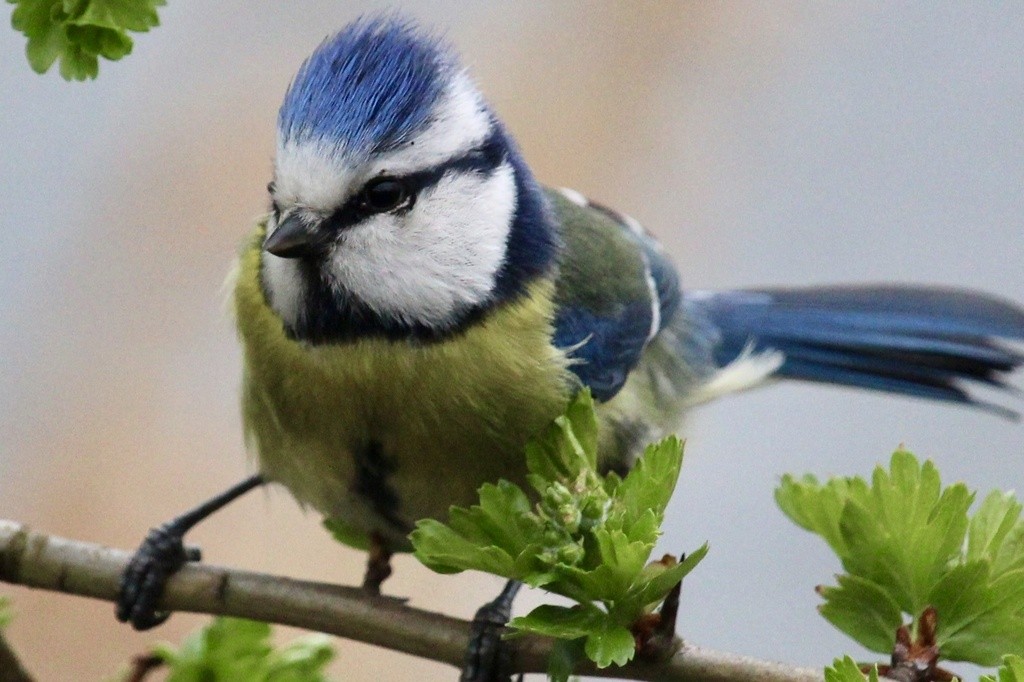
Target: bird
x=416, y=305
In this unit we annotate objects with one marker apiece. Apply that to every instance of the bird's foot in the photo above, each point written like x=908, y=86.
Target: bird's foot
x=159, y=557
x=378, y=564
x=488, y=659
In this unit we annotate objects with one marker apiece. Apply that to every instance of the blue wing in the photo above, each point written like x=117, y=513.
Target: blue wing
x=616, y=290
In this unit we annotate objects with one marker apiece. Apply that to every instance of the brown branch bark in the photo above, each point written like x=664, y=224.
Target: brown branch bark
x=53, y=563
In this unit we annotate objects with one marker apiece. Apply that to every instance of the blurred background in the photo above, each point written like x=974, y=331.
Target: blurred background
x=765, y=143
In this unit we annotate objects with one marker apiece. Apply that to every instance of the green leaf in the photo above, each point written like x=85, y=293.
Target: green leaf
x=98, y=41
x=120, y=15
x=980, y=619
x=903, y=536
x=234, y=649
x=1012, y=670
x=818, y=508
x=78, y=32
x=443, y=550
x=601, y=583
x=499, y=535
x=623, y=559
x=659, y=577
x=78, y=65
x=862, y=610
x=646, y=528
x=610, y=644
x=648, y=487
x=302, y=660
x=47, y=39
x=846, y=670
x=605, y=642
x=563, y=622
x=568, y=446
x=583, y=420
x=225, y=647
x=907, y=543
x=994, y=533
x=503, y=515
x=1011, y=553
x=557, y=455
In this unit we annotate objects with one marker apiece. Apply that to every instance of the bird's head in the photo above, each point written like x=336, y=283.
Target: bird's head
x=399, y=204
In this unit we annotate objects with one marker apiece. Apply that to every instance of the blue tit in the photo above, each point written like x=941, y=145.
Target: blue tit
x=416, y=306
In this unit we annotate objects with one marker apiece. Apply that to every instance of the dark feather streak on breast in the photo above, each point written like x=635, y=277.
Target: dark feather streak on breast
x=373, y=468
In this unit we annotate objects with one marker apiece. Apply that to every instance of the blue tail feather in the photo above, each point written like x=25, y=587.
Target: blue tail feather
x=927, y=342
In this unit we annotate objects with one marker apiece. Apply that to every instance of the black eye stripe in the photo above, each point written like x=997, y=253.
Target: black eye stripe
x=482, y=159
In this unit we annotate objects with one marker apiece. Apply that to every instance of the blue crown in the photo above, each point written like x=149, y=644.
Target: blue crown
x=369, y=88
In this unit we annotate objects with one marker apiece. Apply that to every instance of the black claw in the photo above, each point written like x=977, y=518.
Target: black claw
x=159, y=557
x=488, y=659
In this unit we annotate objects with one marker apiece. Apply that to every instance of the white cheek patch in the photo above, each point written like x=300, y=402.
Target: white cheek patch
x=425, y=266
x=439, y=259
x=285, y=288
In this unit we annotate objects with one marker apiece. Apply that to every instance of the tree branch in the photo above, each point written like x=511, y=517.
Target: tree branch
x=53, y=563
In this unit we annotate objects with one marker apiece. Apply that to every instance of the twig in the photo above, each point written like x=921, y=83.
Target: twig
x=10, y=666
x=53, y=563
x=142, y=666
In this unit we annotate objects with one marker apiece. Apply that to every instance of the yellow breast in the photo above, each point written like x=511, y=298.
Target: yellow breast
x=430, y=421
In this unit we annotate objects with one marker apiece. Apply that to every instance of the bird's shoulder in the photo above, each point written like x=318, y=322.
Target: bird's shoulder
x=615, y=290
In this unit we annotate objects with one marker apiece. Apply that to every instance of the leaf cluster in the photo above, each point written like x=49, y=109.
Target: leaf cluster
x=230, y=649
x=79, y=32
x=907, y=543
x=846, y=670
x=6, y=615
x=1012, y=670
x=587, y=537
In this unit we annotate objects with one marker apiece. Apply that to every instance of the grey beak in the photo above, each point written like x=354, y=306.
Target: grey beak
x=293, y=238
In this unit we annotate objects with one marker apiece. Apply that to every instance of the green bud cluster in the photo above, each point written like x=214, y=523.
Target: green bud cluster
x=568, y=511
x=582, y=535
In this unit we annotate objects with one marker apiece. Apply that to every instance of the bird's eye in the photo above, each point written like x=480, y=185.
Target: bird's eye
x=384, y=194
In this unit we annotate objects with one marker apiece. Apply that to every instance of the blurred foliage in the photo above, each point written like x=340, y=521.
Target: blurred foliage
x=906, y=543
x=1012, y=670
x=232, y=649
x=79, y=32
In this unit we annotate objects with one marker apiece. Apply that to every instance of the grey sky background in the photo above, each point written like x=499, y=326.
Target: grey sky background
x=765, y=143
